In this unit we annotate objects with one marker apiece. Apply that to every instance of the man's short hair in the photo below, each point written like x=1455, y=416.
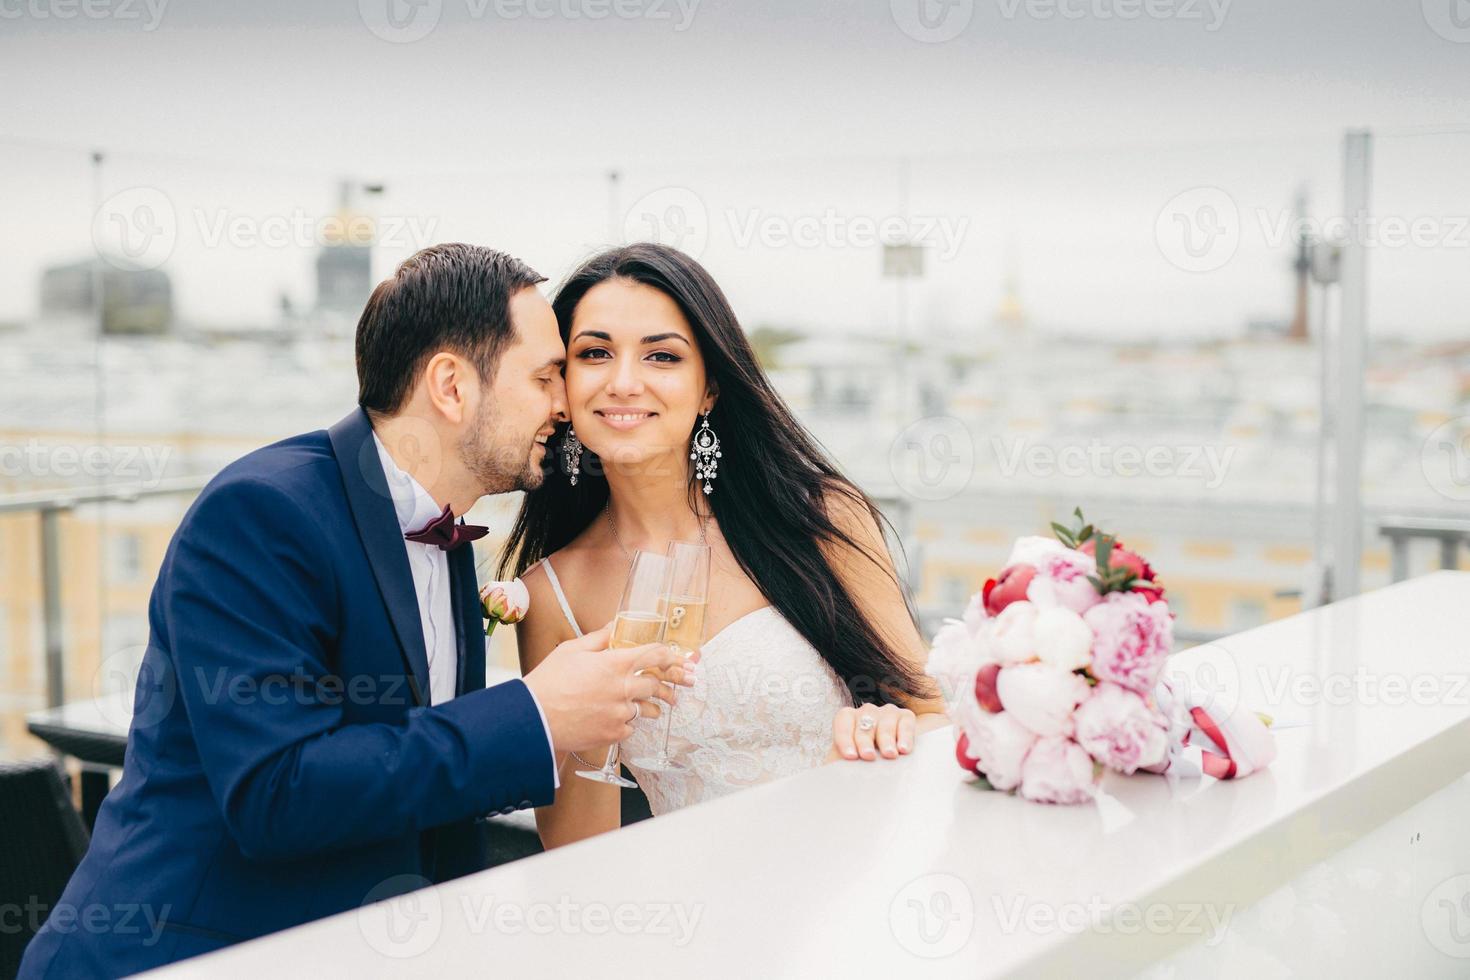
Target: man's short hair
x=451, y=297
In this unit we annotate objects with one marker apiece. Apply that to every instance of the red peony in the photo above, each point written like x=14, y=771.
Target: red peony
x=962, y=754
x=1010, y=587
x=1154, y=594
x=985, y=691
x=1121, y=557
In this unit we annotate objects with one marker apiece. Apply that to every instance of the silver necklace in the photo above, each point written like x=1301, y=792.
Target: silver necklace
x=613, y=526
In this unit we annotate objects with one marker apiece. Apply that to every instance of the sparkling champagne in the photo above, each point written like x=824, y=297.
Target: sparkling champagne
x=634, y=629
x=637, y=622
x=685, y=616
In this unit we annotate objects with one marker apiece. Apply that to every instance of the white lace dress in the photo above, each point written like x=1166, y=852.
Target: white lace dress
x=761, y=708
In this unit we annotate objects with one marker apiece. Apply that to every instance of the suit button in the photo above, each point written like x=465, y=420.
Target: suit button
x=507, y=811
x=525, y=803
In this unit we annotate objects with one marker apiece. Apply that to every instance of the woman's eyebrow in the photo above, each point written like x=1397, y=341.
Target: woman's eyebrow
x=650, y=339
x=595, y=334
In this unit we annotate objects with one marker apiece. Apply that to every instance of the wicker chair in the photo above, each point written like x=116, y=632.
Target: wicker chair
x=43, y=841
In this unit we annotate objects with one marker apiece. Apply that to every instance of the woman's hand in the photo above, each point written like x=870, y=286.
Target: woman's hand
x=870, y=730
x=681, y=673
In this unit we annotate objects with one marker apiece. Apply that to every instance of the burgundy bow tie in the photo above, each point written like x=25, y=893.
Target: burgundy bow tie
x=445, y=533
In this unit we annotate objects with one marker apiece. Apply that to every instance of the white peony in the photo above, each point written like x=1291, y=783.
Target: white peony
x=953, y=660
x=1000, y=745
x=1041, y=697
x=1032, y=549
x=1063, y=639
x=1011, y=636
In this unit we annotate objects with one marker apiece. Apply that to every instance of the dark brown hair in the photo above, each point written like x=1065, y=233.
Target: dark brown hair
x=450, y=297
x=775, y=487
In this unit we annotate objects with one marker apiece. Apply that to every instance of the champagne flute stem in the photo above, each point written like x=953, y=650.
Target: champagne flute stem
x=668, y=729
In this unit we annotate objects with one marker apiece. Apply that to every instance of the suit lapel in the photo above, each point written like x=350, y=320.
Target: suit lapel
x=469, y=629
x=377, y=526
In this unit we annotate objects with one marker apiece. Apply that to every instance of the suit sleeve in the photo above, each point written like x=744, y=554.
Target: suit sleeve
x=250, y=615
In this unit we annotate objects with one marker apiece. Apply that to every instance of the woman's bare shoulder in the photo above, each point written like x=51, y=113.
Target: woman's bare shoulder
x=543, y=626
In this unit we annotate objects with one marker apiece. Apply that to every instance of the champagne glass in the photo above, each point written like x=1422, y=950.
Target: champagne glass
x=639, y=621
x=683, y=608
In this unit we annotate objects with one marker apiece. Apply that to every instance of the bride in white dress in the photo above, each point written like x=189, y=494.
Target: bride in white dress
x=811, y=653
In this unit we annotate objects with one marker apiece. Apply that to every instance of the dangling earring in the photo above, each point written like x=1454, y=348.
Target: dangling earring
x=706, y=454
x=571, y=450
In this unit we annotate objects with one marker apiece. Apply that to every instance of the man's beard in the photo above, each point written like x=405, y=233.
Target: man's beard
x=499, y=467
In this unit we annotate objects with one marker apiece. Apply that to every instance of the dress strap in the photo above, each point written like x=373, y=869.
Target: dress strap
x=561, y=597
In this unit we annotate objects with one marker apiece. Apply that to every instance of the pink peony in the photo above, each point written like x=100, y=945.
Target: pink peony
x=1119, y=730
x=1040, y=697
x=1008, y=588
x=1131, y=638
x=999, y=743
x=1057, y=770
x=1061, y=580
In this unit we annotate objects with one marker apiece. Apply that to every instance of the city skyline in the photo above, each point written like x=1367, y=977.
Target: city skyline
x=1056, y=143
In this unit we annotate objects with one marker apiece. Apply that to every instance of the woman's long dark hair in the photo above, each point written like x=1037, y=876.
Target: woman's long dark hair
x=772, y=497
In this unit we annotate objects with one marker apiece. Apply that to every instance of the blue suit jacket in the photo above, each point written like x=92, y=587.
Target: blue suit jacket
x=283, y=763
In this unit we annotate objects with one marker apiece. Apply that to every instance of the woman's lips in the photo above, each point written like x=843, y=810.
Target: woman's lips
x=624, y=420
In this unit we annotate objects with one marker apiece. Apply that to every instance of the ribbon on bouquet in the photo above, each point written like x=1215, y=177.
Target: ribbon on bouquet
x=1207, y=739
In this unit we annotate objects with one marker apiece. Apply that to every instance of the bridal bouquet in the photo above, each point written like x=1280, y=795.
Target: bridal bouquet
x=1053, y=674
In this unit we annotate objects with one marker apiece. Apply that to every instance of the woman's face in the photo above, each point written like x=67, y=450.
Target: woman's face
x=635, y=376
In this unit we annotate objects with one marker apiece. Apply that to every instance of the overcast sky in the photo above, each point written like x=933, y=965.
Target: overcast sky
x=1074, y=143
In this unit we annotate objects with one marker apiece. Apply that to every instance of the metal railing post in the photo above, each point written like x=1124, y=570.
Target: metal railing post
x=1452, y=533
x=1347, y=504
x=1449, y=553
x=49, y=505
x=1399, y=546
x=51, y=604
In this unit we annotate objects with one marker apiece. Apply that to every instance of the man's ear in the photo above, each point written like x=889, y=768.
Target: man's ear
x=447, y=382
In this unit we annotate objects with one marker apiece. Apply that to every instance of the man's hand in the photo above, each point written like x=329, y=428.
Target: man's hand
x=587, y=690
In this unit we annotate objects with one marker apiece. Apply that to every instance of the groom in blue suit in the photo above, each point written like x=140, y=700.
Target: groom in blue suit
x=311, y=727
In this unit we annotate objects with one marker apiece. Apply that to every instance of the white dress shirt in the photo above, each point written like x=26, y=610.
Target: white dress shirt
x=430, y=566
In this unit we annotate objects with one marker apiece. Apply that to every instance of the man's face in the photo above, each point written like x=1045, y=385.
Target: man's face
x=505, y=446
